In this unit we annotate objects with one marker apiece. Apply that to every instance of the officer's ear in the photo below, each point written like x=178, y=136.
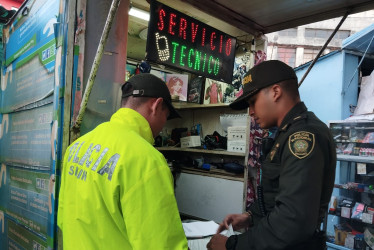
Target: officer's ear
x=276, y=92
x=156, y=105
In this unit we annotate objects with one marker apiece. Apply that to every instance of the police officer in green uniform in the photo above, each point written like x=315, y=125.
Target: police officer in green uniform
x=298, y=169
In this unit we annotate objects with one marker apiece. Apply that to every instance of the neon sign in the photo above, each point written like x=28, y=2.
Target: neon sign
x=177, y=40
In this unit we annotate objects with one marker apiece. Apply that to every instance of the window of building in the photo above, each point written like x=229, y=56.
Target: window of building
x=287, y=55
x=325, y=33
x=288, y=32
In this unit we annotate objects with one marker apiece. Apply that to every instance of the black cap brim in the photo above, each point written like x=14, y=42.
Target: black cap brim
x=241, y=102
x=173, y=113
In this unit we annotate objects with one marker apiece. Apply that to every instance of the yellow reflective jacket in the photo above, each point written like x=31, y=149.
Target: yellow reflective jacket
x=117, y=190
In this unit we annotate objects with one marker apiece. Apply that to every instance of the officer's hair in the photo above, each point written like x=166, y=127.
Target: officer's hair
x=291, y=88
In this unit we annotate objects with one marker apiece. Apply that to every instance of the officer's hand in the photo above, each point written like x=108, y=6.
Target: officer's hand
x=218, y=242
x=238, y=221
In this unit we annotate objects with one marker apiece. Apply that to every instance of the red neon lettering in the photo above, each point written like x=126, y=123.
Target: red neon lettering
x=203, y=38
x=182, y=28
x=212, y=36
x=172, y=23
x=193, y=31
x=220, y=44
x=161, y=15
x=228, y=47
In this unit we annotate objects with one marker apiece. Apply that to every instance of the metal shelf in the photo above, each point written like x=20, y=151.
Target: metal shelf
x=350, y=219
x=354, y=190
x=187, y=105
x=334, y=246
x=355, y=158
x=202, y=151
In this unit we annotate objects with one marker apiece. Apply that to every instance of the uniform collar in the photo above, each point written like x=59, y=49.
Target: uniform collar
x=132, y=120
x=294, y=114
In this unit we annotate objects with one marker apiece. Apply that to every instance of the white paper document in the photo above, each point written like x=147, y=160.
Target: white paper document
x=200, y=229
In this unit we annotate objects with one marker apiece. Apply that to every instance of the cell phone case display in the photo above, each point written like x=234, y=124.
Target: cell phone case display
x=350, y=222
x=354, y=138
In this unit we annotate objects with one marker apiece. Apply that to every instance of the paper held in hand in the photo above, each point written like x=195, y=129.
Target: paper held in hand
x=200, y=229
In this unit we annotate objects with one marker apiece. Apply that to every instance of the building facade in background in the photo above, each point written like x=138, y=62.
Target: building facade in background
x=300, y=45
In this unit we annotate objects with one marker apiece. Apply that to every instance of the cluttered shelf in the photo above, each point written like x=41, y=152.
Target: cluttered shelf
x=366, y=222
x=186, y=105
x=355, y=158
x=356, y=187
x=204, y=151
x=217, y=173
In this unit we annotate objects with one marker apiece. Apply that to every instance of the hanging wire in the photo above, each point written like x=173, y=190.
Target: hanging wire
x=363, y=57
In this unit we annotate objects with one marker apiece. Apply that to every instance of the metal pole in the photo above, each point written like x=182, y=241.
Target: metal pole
x=324, y=47
x=95, y=66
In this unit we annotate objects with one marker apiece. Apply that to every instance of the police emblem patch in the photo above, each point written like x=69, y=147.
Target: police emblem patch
x=301, y=144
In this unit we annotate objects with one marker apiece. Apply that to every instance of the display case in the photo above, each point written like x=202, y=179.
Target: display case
x=208, y=192
x=351, y=209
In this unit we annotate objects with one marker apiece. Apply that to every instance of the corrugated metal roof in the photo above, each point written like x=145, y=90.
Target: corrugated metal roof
x=361, y=41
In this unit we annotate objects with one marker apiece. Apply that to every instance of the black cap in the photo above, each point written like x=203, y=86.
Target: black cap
x=148, y=85
x=261, y=76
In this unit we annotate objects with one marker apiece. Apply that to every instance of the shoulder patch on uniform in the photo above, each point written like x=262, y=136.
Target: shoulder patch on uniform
x=301, y=144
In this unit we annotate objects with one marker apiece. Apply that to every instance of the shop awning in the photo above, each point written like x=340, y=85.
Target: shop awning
x=265, y=16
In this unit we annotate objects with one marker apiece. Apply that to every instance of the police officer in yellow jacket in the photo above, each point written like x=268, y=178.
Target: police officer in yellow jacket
x=117, y=189
x=298, y=171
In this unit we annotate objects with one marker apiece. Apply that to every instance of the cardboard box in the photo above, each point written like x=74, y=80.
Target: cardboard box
x=237, y=133
x=367, y=218
x=340, y=236
x=190, y=141
x=236, y=146
x=349, y=241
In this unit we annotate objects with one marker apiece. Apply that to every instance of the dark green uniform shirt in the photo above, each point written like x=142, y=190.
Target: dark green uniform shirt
x=297, y=178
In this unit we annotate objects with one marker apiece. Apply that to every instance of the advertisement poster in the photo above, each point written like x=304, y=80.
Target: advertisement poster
x=195, y=90
x=25, y=138
x=215, y=92
x=16, y=236
x=177, y=85
x=30, y=48
x=27, y=197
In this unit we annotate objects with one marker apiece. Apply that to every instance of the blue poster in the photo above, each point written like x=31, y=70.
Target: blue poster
x=25, y=138
x=16, y=236
x=30, y=53
x=27, y=197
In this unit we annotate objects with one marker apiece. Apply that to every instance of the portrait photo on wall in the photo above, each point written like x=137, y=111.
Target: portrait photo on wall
x=215, y=92
x=177, y=85
x=195, y=90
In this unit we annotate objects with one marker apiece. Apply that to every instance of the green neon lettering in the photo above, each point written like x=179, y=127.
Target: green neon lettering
x=197, y=60
x=204, y=62
x=175, y=45
x=216, y=66
x=189, y=58
x=210, y=61
x=182, y=55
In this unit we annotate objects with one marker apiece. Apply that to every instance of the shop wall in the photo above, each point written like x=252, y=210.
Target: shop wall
x=30, y=124
x=350, y=83
x=322, y=89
